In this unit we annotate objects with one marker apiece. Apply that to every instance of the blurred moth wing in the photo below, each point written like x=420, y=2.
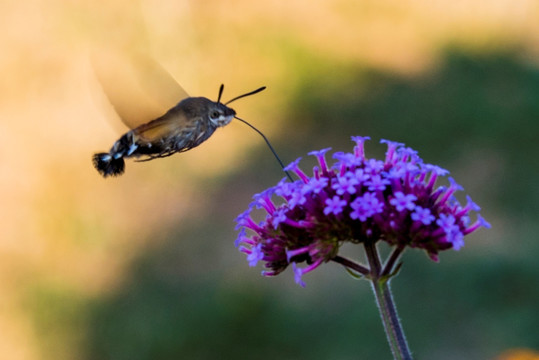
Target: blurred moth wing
x=138, y=87
x=169, y=124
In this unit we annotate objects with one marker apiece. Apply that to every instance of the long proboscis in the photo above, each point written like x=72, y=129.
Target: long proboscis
x=267, y=142
x=221, y=88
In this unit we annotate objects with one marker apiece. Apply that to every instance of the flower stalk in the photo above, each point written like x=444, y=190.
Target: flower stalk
x=386, y=305
x=379, y=277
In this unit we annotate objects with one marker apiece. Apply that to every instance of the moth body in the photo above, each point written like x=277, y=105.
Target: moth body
x=185, y=126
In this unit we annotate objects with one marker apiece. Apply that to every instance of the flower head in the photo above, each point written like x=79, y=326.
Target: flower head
x=355, y=200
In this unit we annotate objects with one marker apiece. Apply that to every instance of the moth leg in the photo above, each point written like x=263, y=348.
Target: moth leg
x=158, y=156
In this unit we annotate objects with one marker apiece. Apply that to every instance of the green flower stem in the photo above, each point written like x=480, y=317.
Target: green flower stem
x=386, y=306
x=351, y=265
x=390, y=263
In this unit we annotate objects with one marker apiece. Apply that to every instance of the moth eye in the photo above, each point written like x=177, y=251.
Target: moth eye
x=215, y=115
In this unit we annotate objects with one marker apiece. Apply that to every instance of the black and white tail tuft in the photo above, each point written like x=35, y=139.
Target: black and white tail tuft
x=108, y=165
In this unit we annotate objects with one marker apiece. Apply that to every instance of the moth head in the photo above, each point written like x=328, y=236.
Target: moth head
x=220, y=114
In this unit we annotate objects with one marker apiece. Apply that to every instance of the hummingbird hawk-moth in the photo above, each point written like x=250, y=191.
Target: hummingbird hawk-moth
x=140, y=89
x=185, y=126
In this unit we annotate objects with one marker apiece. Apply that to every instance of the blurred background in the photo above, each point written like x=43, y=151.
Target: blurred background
x=143, y=266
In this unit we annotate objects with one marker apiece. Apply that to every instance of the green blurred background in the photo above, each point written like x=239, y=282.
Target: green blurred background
x=144, y=267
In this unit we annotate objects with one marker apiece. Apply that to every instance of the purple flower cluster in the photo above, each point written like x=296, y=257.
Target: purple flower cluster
x=355, y=200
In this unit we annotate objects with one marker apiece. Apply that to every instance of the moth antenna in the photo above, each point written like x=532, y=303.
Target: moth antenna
x=221, y=88
x=244, y=95
x=263, y=136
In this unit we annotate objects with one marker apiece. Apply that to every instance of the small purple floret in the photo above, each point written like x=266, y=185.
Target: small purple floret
x=298, y=273
x=334, y=205
x=293, y=166
x=377, y=183
x=256, y=255
x=402, y=201
x=366, y=206
x=422, y=215
x=315, y=185
x=345, y=184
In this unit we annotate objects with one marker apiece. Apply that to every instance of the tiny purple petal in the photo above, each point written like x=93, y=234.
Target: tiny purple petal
x=320, y=155
x=435, y=171
x=345, y=160
x=451, y=190
x=361, y=175
x=473, y=206
x=422, y=215
x=298, y=272
x=478, y=223
x=345, y=184
x=457, y=239
x=391, y=148
x=401, y=201
x=374, y=166
x=377, y=183
x=365, y=206
x=284, y=188
x=359, y=212
x=293, y=166
x=453, y=234
x=483, y=222
x=245, y=220
x=297, y=198
x=241, y=236
x=256, y=255
x=334, y=205
x=315, y=185
x=263, y=200
x=408, y=154
x=359, y=149
x=360, y=139
x=278, y=217
x=454, y=184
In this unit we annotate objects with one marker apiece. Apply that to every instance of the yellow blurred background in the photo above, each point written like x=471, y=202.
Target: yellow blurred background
x=70, y=239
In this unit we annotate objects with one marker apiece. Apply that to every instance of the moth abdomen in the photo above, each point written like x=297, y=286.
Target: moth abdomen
x=113, y=163
x=109, y=165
